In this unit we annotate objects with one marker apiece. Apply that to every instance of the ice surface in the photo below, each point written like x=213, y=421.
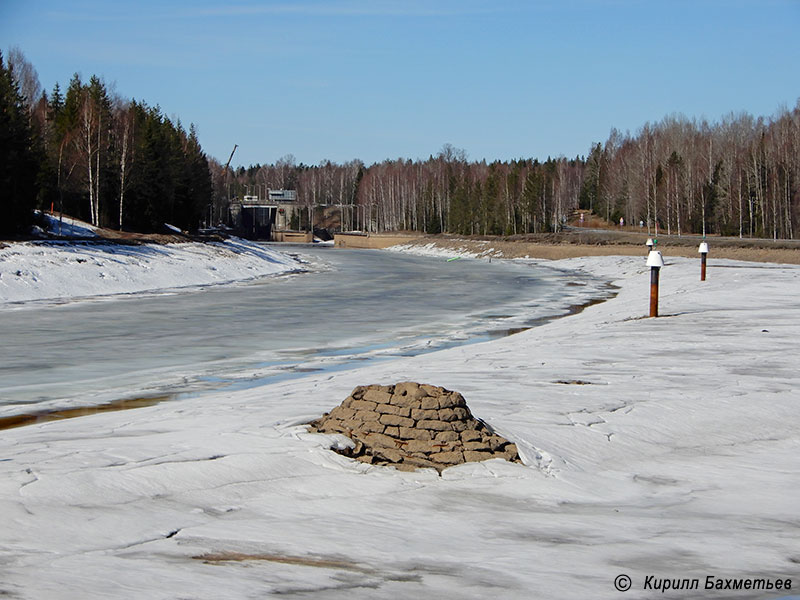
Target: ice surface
x=351, y=306
x=677, y=457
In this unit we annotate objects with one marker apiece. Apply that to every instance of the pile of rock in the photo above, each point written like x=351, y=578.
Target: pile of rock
x=411, y=426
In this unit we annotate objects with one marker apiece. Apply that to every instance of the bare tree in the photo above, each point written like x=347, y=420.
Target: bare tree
x=125, y=123
x=26, y=76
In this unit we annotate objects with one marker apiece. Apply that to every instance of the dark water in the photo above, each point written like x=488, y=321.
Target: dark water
x=350, y=307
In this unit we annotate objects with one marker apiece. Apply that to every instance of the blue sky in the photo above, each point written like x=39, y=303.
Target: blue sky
x=380, y=79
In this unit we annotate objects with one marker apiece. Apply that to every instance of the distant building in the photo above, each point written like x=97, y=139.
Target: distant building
x=255, y=218
x=282, y=196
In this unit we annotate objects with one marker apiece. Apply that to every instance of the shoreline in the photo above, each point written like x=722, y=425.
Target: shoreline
x=187, y=385
x=572, y=247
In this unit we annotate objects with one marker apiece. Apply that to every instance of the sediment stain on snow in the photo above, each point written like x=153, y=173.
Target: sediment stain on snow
x=34, y=417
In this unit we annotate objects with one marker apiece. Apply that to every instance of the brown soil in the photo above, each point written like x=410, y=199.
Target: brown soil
x=591, y=240
x=128, y=238
x=600, y=242
x=125, y=237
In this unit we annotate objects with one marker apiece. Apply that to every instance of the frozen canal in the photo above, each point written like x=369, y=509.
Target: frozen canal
x=679, y=445
x=352, y=306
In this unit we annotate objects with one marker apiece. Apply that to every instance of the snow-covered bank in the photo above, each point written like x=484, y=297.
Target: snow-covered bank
x=455, y=249
x=56, y=270
x=675, y=457
x=66, y=226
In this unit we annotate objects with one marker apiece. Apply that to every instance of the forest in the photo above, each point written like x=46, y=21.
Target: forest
x=123, y=164
x=739, y=176
x=93, y=155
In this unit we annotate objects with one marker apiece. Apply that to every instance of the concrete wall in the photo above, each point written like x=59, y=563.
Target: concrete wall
x=372, y=240
x=292, y=236
x=283, y=219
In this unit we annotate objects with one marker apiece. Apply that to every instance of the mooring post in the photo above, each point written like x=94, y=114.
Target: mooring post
x=703, y=250
x=655, y=261
x=649, y=245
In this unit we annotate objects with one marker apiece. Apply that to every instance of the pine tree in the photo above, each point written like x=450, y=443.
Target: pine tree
x=19, y=159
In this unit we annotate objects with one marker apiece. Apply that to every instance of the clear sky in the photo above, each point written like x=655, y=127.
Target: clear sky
x=377, y=79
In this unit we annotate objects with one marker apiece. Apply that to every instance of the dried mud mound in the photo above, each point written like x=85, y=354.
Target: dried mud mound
x=411, y=426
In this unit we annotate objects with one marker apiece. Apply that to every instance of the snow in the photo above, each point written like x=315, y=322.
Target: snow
x=68, y=269
x=68, y=227
x=676, y=457
x=434, y=250
x=62, y=270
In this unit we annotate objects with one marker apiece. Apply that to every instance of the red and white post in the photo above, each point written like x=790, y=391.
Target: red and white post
x=655, y=261
x=703, y=250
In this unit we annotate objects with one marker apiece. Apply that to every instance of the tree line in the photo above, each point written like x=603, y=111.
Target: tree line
x=444, y=193
x=91, y=154
x=124, y=164
x=738, y=177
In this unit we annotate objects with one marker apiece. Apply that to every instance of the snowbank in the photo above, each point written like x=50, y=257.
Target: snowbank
x=662, y=448
x=67, y=227
x=449, y=249
x=56, y=270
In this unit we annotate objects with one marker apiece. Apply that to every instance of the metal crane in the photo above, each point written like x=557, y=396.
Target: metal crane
x=227, y=186
x=227, y=164
x=225, y=170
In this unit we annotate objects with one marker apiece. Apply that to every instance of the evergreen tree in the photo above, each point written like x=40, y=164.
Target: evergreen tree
x=55, y=103
x=68, y=118
x=590, y=191
x=64, y=169
x=19, y=157
x=198, y=182
x=530, y=198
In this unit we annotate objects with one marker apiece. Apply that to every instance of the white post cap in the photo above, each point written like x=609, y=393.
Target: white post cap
x=703, y=249
x=649, y=242
x=654, y=259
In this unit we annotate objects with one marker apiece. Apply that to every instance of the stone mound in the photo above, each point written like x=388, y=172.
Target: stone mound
x=410, y=426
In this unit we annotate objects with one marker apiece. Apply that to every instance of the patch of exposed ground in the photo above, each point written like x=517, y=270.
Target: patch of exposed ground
x=555, y=246
x=576, y=242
